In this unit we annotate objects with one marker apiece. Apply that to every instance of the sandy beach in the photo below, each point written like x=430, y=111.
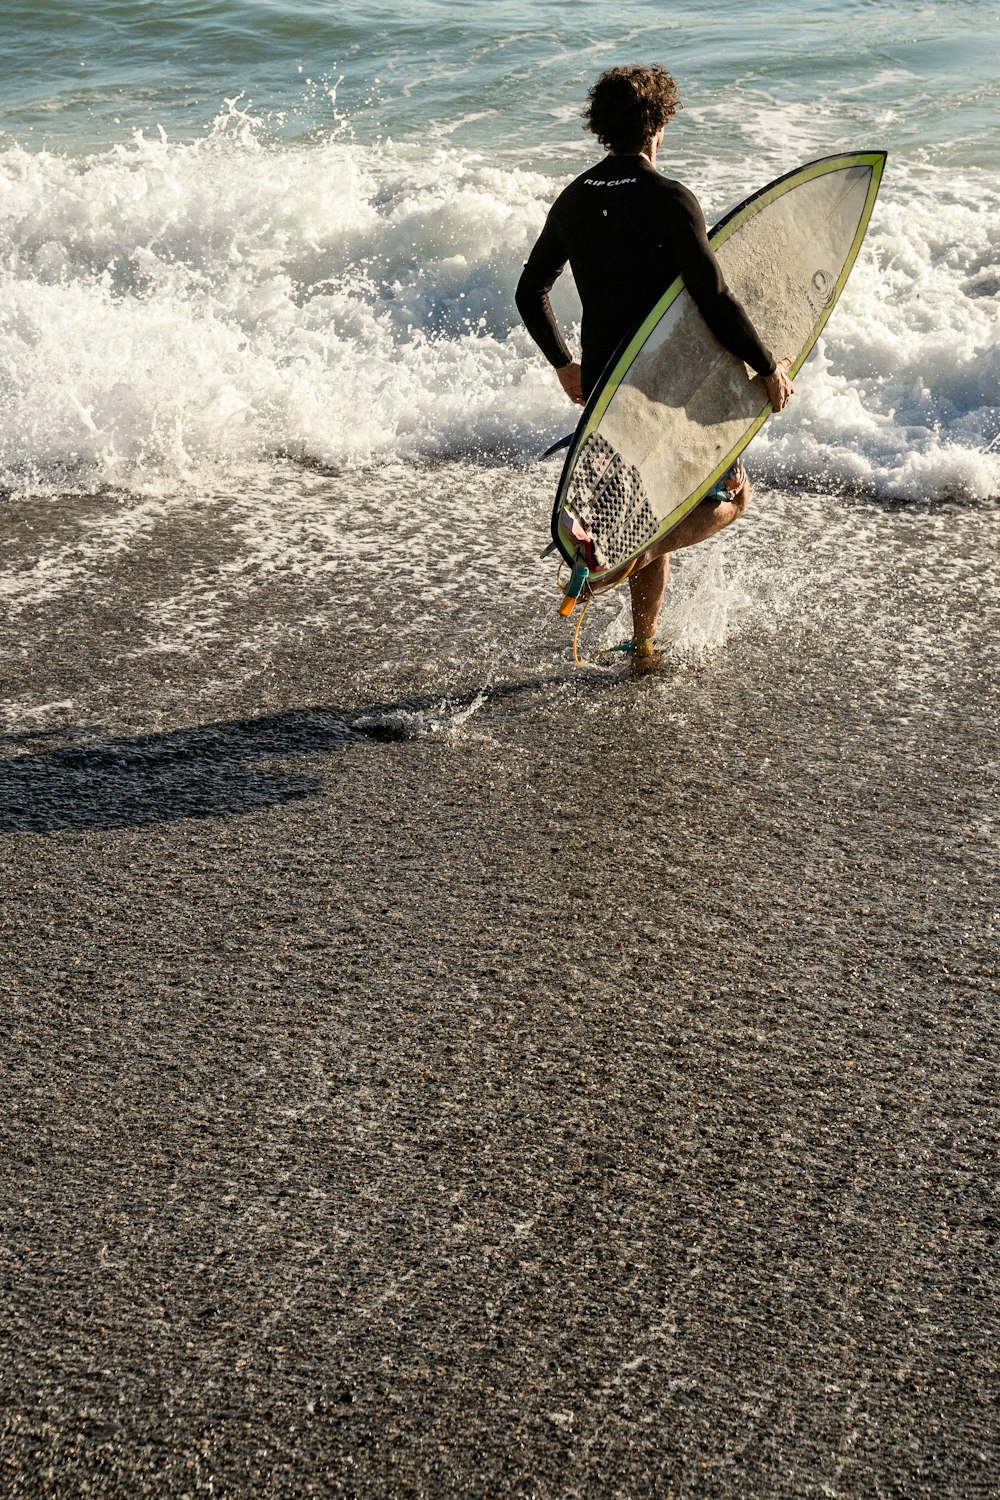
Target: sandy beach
x=461, y=1075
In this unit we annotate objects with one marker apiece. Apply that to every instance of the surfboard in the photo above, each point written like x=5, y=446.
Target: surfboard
x=673, y=409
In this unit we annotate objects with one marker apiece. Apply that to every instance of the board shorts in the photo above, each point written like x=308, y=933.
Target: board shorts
x=719, y=490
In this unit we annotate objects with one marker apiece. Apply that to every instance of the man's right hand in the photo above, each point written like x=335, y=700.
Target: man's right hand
x=778, y=386
x=569, y=379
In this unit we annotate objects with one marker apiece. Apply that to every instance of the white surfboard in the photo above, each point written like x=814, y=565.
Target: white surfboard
x=674, y=409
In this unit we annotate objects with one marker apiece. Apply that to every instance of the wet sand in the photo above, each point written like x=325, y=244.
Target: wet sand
x=597, y=1098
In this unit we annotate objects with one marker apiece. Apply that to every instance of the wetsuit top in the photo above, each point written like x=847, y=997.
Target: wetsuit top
x=627, y=232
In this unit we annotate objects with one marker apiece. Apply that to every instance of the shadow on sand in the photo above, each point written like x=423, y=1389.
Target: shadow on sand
x=92, y=782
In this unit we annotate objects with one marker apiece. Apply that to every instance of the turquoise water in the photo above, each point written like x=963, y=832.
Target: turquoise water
x=507, y=77
x=236, y=230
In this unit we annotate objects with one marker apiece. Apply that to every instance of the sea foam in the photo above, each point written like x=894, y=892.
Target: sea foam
x=170, y=308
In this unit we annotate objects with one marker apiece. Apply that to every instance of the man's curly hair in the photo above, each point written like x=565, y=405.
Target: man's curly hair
x=626, y=106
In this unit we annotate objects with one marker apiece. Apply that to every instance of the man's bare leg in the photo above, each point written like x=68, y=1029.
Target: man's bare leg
x=648, y=580
x=647, y=585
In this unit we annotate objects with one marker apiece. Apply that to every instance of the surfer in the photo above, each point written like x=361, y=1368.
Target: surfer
x=627, y=232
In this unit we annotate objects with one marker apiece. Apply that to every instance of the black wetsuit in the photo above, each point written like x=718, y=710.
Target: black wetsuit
x=627, y=233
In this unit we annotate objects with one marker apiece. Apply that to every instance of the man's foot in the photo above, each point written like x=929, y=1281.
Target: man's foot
x=644, y=657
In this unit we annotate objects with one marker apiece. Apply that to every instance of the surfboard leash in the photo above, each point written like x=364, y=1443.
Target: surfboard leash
x=580, y=584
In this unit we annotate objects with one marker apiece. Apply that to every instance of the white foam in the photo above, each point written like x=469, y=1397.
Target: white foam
x=168, y=310
x=127, y=527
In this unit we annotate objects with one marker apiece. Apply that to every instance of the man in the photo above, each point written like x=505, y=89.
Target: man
x=627, y=232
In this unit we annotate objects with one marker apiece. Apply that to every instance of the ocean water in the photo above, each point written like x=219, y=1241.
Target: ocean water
x=232, y=230
x=241, y=242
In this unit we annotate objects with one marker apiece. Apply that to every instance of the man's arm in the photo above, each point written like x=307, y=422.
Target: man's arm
x=542, y=268
x=722, y=312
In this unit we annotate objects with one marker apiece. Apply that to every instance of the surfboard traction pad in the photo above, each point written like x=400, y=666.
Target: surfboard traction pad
x=607, y=497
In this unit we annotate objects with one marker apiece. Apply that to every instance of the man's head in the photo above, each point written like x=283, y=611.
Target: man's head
x=627, y=106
